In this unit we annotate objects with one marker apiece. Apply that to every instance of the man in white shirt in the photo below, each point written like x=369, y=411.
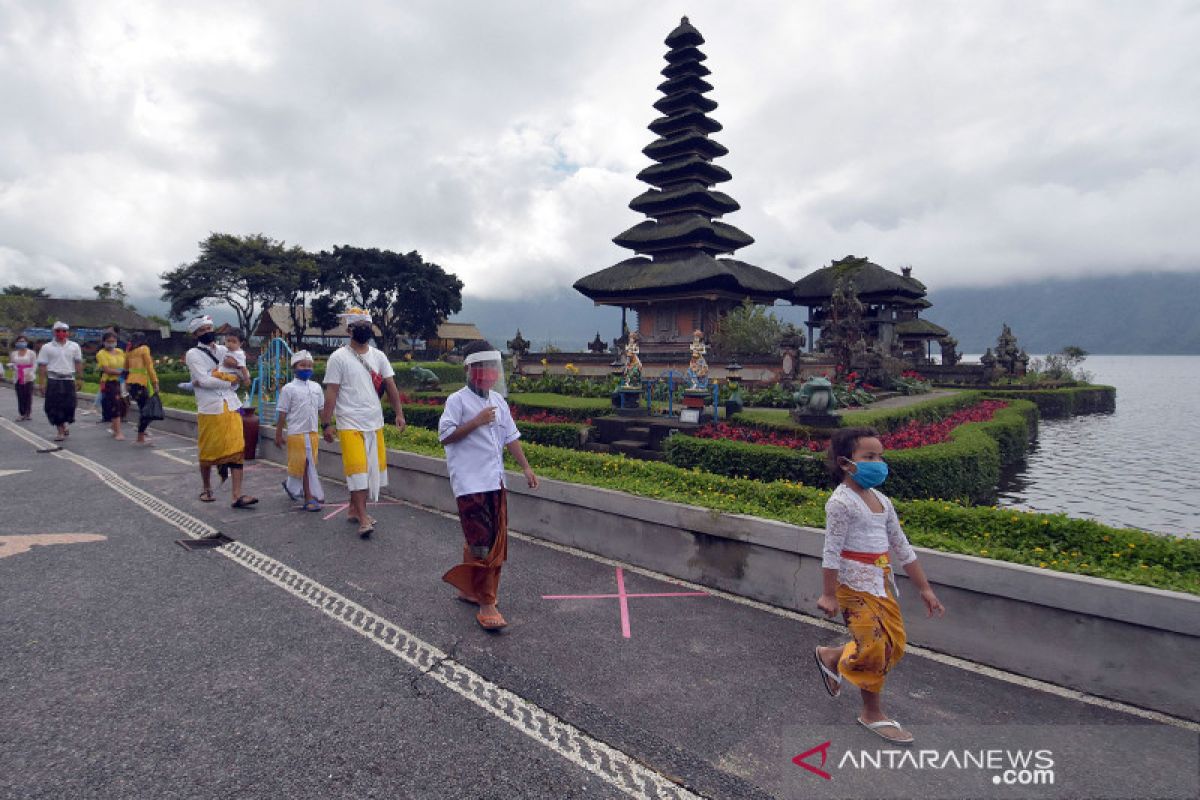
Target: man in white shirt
x=355, y=377
x=218, y=422
x=60, y=377
x=476, y=427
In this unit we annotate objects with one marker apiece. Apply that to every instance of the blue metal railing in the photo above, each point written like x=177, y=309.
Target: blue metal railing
x=274, y=371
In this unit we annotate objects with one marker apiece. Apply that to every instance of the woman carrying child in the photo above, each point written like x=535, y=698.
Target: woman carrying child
x=862, y=537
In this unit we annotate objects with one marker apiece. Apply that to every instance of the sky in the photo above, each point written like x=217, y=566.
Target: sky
x=981, y=143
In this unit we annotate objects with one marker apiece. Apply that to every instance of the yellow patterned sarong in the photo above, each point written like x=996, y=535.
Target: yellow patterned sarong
x=364, y=460
x=220, y=438
x=878, y=635
x=302, y=452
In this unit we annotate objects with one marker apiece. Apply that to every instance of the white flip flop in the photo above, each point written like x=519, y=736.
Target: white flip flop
x=874, y=727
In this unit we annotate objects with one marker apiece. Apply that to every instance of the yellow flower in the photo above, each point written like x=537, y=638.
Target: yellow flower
x=544, y=362
x=1037, y=549
x=983, y=552
x=1045, y=522
x=1041, y=563
x=1116, y=555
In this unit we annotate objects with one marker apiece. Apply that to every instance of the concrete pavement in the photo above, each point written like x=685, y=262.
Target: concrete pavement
x=132, y=667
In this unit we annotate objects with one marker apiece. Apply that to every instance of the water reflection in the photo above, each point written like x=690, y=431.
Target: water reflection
x=1134, y=468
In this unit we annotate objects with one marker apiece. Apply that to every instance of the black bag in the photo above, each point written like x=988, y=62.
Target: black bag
x=154, y=408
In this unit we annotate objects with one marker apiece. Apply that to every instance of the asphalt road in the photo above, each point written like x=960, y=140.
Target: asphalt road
x=301, y=661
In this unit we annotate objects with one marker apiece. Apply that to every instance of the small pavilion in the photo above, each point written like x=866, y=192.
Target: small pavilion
x=678, y=282
x=892, y=305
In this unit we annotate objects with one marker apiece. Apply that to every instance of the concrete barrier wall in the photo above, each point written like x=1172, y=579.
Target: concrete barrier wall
x=1135, y=644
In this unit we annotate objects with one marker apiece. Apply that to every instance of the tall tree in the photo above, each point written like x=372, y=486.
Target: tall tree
x=325, y=310
x=13, y=290
x=247, y=273
x=111, y=291
x=406, y=295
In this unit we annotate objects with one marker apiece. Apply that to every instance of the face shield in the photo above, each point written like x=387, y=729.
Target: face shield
x=485, y=372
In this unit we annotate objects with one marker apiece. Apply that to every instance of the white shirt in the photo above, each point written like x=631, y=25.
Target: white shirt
x=60, y=359
x=476, y=462
x=239, y=356
x=23, y=358
x=302, y=401
x=212, y=394
x=357, y=407
x=851, y=525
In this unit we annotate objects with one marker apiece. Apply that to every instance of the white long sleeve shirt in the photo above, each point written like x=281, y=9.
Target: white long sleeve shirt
x=212, y=394
x=476, y=462
x=851, y=525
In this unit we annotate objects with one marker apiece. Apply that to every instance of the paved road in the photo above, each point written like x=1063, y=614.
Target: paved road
x=301, y=661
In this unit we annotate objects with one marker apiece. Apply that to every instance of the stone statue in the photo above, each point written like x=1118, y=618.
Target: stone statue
x=632, y=375
x=518, y=346
x=815, y=397
x=949, y=346
x=427, y=379
x=697, y=374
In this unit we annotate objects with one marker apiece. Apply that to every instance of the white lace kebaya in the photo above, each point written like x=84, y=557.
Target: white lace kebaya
x=851, y=525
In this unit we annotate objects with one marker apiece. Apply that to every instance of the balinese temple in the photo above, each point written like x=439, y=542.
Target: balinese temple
x=679, y=281
x=892, y=305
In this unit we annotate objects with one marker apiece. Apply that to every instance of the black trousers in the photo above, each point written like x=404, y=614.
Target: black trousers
x=139, y=395
x=24, y=399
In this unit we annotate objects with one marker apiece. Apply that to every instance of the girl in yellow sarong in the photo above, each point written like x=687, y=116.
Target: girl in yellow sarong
x=862, y=536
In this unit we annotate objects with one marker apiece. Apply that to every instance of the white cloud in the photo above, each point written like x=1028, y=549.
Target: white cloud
x=980, y=142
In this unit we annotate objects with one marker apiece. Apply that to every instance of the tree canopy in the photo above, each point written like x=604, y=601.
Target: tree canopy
x=12, y=290
x=247, y=273
x=748, y=330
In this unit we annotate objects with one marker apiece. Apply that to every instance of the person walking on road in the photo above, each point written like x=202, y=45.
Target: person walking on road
x=476, y=427
x=111, y=361
x=300, y=404
x=861, y=527
x=141, y=380
x=60, y=377
x=23, y=361
x=218, y=422
x=356, y=376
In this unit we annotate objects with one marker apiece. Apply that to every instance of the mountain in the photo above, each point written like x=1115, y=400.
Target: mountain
x=1144, y=314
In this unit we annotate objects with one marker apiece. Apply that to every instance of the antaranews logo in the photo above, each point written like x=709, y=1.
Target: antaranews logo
x=1020, y=767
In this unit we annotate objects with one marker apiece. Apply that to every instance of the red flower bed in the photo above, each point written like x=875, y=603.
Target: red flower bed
x=540, y=416
x=914, y=434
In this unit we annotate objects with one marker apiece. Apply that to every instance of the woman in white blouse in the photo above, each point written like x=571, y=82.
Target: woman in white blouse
x=863, y=539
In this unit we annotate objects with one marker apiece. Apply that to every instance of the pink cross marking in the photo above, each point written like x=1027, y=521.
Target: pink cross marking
x=622, y=597
x=340, y=507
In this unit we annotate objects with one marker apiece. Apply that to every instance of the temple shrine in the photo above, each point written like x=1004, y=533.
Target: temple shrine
x=678, y=282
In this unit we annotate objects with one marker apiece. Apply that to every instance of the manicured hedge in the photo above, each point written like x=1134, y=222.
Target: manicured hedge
x=884, y=420
x=556, y=434
x=576, y=408
x=1066, y=402
x=1048, y=541
x=966, y=467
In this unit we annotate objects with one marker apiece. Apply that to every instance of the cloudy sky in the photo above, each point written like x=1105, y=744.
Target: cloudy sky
x=979, y=142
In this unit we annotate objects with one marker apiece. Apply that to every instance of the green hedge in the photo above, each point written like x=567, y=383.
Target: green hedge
x=555, y=434
x=884, y=420
x=575, y=408
x=966, y=467
x=1066, y=402
x=1048, y=541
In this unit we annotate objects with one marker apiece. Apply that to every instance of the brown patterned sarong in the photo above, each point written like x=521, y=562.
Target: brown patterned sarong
x=484, y=518
x=878, y=635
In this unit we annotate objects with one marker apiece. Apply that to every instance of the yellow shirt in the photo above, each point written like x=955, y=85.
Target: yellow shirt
x=140, y=364
x=113, y=359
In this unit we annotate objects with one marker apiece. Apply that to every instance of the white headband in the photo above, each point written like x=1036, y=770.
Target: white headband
x=61, y=326
x=486, y=355
x=301, y=355
x=198, y=323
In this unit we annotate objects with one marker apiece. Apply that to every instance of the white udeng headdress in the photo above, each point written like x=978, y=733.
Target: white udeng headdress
x=61, y=326
x=199, y=322
x=353, y=315
x=300, y=355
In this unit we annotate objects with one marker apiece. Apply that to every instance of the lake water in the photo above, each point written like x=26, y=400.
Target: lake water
x=1136, y=468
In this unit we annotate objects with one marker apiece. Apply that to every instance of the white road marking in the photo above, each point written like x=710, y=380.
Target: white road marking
x=4, y=473
x=604, y=761
x=183, y=461
x=910, y=649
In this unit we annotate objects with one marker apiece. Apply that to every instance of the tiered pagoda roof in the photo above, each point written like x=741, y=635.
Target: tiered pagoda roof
x=678, y=246
x=872, y=282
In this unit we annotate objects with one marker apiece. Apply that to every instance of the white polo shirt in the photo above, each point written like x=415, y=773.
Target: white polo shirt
x=476, y=463
x=60, y=359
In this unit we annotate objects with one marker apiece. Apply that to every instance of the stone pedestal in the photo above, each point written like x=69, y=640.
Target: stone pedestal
x=817, y=420
x=628, y=401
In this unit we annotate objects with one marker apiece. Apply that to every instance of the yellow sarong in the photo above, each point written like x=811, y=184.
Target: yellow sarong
x=302, y=457
x=364, y=460
x=220, y=438
x=878, y=635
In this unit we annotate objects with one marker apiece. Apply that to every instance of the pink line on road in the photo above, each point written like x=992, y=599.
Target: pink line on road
x=622, y=597
x=340, y=507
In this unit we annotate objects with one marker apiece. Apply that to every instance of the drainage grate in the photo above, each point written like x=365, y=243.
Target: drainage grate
x=203, y=544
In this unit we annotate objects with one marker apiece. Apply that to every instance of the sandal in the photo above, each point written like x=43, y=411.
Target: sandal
x=876, y=728
x=289, y=491
x=828, y=675
x=365, y=530
x=492, y=622
x=312, y=505
x=245, y=501
x=207, y=496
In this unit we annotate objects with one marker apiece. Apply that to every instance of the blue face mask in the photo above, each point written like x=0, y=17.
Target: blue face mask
x=870, y=474
x=304, y=374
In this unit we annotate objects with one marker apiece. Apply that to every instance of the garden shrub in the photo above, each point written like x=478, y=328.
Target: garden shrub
x=1064, y=402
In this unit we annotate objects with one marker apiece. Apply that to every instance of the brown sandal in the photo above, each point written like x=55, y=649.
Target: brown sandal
x=206, y=496
x=492, y=622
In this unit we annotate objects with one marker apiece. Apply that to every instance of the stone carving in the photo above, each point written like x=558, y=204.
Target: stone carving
x=632, y=374
x=697, y=374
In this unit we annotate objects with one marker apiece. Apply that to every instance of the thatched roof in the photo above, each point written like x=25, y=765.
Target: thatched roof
x=920, y=328
x=93, y=314
x=696, y=271
x=872, y=282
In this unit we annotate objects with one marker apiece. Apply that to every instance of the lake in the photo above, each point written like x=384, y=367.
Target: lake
x=1138, y=467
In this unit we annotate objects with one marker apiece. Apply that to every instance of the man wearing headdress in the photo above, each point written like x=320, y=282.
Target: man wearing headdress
x=356, y=376
x=60, y=377
x=219, y=424
x=476, y=428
